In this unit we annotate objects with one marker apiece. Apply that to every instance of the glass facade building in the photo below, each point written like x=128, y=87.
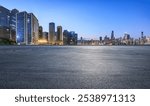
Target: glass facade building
x=45, y=35
x=51, y=38
x=59, y=35
x=40, y=32
x=8, y=23
x=4, y=23
x=13, y=24
x=70, y=38
x=21, y=29
x=33, y=29
x=27, y=28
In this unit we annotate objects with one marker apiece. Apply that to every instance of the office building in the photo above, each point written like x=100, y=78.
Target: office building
x=44, y=39
x=142, y=35
x=51, y=38
x=100, y=38
x=73, y=38
x=4, y=23
x=65, y=37
x=70, y=38
x=21, y=30
x=112, y=35
x=40, y=32
x=45, y=36
x=59, y=37
x=8, y=23
x=27, y=28
x=33, y=29
x=126, y=36
x=13, y=24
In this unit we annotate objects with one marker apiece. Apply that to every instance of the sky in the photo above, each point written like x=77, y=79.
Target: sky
x=89, y=18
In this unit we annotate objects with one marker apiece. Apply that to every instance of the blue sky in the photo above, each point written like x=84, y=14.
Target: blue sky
x=90, y=18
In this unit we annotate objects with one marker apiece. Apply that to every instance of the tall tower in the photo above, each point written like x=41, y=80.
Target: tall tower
x=51, y=38
x=13, y=21
x=142, y=35
x=21, y=30
x=4, y=23
x=27, y=28
x=112, y=35
x=8, y=23
x=40, y=32
x=59, y=35
x=33, y=29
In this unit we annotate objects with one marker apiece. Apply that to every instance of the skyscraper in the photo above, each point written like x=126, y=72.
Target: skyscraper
x=70, y=38
x=33, y=29
x=21, y=30
x=4, y=23
x=65, y=37
x=112, y=35
x=51, y=38
x=59, y=35
x=27, y=28
x=126, y=36
x=45, y=35
x=40, y=32
x=142, y=35
x=13, y=24
x=8, y=23
x=100, y=38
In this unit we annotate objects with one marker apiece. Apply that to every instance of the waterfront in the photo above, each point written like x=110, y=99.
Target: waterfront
x=62, y=67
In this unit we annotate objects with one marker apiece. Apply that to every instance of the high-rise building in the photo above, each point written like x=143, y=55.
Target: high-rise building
x=65, y=37
x=13, y=24
x=112, y=35
x=33, y=29
x=8, y=23
x=142, y=35
x=100, y=38
x=45, y=35
x=51, y=38
x=70, y=38
x=4, y=23
x=59, y=35
x=40, y=32
x=73, y=38
x=126, y=36
x=27, y=28
x=21, y=30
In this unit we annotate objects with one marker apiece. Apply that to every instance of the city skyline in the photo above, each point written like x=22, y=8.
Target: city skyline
x=23, y=28
x=90, y=18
